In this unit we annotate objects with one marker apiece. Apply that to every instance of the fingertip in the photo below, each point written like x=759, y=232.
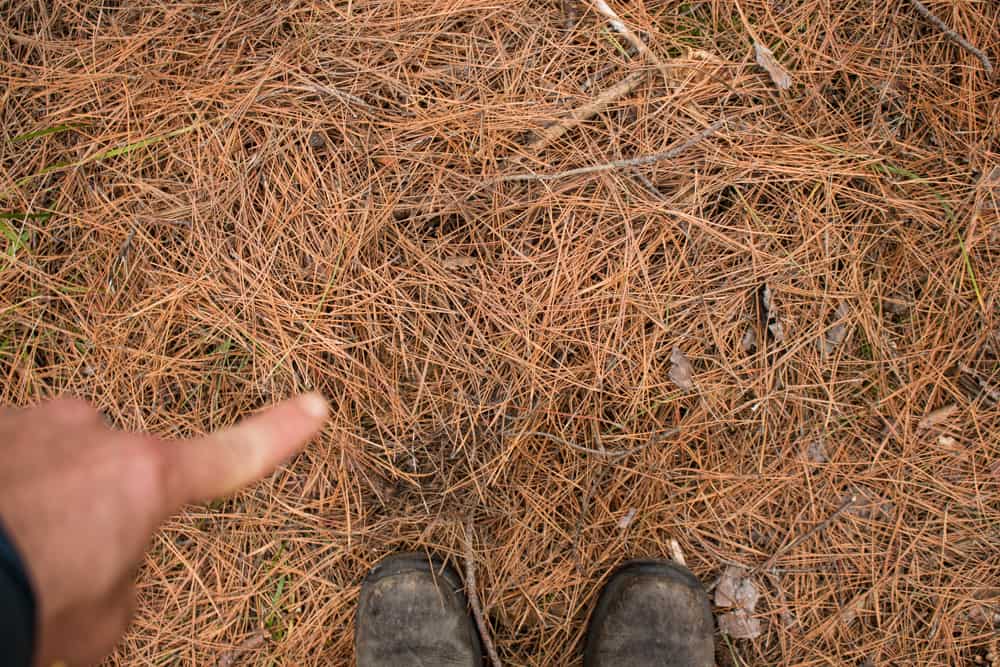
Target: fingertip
x=314, y=405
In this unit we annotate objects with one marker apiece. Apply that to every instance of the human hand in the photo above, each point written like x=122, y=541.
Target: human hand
x=80, y=501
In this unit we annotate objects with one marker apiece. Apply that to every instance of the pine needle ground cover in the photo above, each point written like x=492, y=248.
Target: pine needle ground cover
x=584, y=282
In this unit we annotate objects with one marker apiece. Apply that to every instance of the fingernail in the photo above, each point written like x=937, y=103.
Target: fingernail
x=314, y=405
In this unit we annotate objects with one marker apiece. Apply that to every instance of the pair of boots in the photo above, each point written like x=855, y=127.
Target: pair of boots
x=412, y=612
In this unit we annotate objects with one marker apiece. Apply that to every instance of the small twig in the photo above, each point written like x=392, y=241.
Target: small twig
x=953, y=36
x=804, y=536
x=613, y=454
x=618, y=164
x=588, y=110
x=596, y=480
x=473, y=594
x=619, y=26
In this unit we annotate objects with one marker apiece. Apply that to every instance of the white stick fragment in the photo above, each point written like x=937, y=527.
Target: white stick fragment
x=676, y=553
x=624, y=522
x=619, y=26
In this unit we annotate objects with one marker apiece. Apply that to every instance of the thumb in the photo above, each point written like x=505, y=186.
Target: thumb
x=225, y=461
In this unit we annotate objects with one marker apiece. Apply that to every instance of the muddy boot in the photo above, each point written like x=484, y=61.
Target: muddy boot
x=651, y=613
x=412, y=612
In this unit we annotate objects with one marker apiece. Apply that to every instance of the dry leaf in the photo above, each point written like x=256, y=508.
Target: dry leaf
x=739, y=625
x=736, y=590
x=681, y=370
x=935, y=417
x=836, y=334
x=989, y=190
x=254, y=641
x=765, y=58
x=770, y=314
x=896, y=305
x=981, y=612
x=749, y=341
x=777, y=331
x=948, y=442
x=815, y=451
x=461, y=262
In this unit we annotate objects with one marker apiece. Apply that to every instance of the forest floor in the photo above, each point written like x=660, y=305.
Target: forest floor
x=714, y=280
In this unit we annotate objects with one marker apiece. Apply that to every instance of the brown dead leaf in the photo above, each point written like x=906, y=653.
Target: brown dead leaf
x=681, y=370
x=676, y=553
x=989, y=190
x=815, y=450
x=736, y=590
x=765, y=58
x=769, y=314
x=935, y=417
x=836, y=334
x=461, y=262
x=896, y=305
x=984, y=608
x=857, y=606
x=739, y=625
x=254, y=641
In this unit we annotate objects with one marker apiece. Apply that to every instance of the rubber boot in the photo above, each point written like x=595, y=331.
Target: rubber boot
x=412, y=612
x=651, y=613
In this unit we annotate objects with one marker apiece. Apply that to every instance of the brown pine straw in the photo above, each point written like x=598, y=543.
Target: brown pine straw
x=263, y=197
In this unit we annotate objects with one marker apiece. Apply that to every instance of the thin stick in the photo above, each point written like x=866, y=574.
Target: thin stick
x=619, y=26
x=472, y=592
x=953, y=36
x=805, y=536
x=618, y=164
x=611, y=454
x=588, y=110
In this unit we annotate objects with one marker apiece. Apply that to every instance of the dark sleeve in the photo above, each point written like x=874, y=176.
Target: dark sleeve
x=17, y=607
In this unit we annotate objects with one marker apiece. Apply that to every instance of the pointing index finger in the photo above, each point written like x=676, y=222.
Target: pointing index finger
x=223, y=462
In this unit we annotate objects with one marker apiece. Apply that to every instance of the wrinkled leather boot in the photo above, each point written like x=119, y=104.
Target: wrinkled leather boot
x=651, y=613
x=412, y=612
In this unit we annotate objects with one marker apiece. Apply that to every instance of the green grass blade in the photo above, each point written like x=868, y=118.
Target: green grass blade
x=114, y=152
x=972, y=274
x=56, y=129
x=8, y=232
x=22, y=216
